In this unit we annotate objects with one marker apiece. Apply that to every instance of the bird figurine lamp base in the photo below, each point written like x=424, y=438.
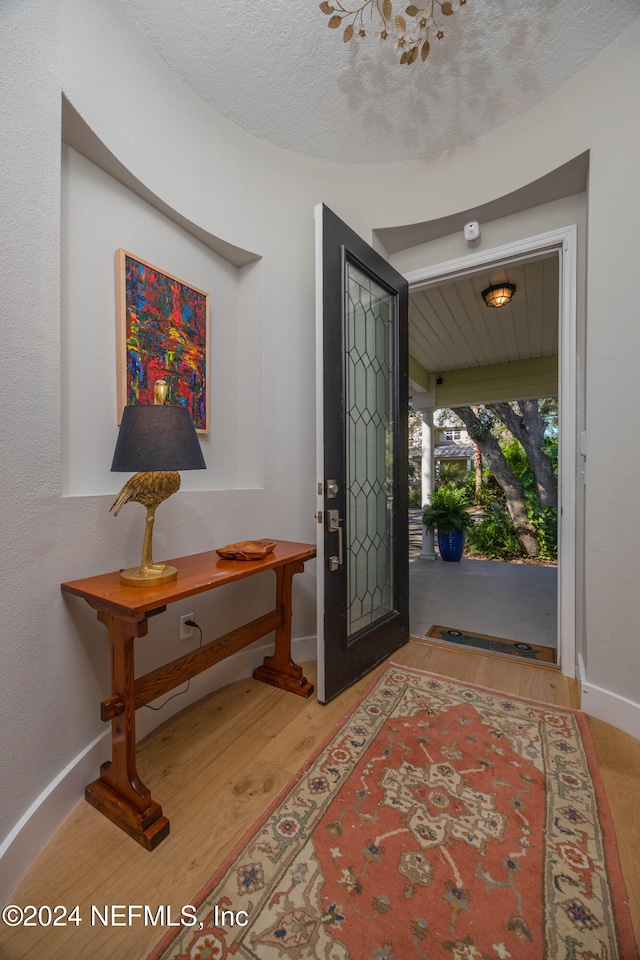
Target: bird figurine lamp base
x=150, y=489
x=139, y=577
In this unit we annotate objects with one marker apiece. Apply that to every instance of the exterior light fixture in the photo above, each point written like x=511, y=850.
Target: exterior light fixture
x=498, y=294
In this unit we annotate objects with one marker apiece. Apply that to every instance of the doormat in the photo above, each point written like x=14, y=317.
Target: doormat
x=439, y=820
x=482, y=641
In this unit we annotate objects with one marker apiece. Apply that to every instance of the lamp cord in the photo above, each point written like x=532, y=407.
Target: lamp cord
x=189, y=623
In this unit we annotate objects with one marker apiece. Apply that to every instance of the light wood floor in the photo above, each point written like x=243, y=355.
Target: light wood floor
x=216, y=767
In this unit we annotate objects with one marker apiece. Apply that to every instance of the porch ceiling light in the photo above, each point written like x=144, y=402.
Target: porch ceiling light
x=498, y=294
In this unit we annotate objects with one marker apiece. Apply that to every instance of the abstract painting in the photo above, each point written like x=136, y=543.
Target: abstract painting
x=162, y=334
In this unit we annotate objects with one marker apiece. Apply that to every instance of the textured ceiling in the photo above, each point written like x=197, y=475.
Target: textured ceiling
x=274, y=67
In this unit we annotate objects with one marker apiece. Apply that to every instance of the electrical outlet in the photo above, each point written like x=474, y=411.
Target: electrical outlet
x=186, y=631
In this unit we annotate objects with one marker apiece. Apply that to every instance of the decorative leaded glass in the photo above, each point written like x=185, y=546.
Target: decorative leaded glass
x=369, y=344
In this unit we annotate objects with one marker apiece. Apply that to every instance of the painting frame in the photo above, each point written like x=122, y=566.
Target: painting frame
x=162, y=332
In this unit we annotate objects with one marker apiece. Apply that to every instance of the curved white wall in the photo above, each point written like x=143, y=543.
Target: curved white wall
x=258, y=197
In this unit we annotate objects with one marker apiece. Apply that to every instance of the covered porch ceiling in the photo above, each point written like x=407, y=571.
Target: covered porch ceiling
x=461, y=351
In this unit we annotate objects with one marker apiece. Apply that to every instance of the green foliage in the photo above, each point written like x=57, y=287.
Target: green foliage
x=551, y=449
x=495, y=535
x=544, y=519
x=545, y=522
x=454, y=473
x=447, y=509
x=489, y=492
x=468, y=484
x=415, y=497
x=548, y=407
x=485, y=424
x=517, y=459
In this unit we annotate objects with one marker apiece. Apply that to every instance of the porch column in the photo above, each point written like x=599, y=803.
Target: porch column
x=426, y=414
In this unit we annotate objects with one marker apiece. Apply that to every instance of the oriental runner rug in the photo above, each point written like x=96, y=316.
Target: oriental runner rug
x=441, y=821
x=483, y=641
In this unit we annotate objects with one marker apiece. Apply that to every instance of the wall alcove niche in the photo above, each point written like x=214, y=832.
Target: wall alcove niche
x=104, y=207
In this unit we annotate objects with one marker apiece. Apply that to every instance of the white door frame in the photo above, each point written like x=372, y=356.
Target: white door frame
x=563, y=242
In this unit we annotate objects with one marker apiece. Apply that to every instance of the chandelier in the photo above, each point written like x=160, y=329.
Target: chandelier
x=410, y=32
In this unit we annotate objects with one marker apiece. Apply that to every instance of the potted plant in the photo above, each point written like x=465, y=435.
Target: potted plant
x=448, y=514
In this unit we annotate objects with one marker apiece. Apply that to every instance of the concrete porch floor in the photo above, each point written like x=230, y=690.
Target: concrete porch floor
x=517, y=601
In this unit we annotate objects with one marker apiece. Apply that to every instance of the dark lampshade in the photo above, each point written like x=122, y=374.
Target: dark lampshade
x=156, y=437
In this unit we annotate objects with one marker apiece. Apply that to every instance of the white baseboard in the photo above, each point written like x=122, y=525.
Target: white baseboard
x=610, y=707
x=57, y=800
x=46, y=813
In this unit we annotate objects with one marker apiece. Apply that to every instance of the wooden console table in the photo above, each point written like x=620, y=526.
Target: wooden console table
x=119, y=793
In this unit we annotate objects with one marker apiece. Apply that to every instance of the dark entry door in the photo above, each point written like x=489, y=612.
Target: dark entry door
x=363, y=554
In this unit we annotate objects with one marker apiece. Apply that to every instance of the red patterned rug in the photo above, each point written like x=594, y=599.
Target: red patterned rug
x=442, y=821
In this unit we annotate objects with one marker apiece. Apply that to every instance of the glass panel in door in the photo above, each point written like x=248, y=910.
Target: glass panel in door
x=369, y=344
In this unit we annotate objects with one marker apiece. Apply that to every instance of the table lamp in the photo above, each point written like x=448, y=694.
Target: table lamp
x=157, y=441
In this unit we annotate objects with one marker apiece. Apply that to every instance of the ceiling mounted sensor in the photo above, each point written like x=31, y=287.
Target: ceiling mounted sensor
x=412, y=34
x=498, y=294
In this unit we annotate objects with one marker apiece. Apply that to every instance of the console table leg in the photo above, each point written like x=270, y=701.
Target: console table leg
x=119, y=793
x=280, y=670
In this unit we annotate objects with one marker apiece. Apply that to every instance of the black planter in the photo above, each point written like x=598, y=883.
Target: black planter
x=451, y=545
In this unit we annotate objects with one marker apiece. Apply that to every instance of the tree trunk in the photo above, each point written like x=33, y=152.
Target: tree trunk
x=477, y=466
x=477, y=458
x=529, y=430
x=513, y=489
